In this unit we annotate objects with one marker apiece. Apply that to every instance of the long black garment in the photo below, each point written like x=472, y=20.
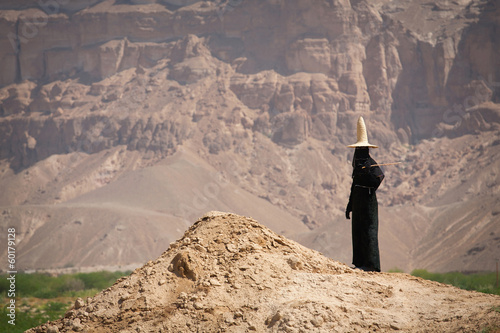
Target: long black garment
x=363, y=204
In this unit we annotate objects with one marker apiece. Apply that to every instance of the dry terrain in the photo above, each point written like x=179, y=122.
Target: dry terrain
x=228, y=273
x=121, y=122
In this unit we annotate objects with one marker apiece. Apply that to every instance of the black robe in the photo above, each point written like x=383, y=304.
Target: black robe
x=363, y=204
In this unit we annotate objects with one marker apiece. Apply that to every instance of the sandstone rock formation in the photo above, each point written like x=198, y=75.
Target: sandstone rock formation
x=267, y=94
x=228, y=273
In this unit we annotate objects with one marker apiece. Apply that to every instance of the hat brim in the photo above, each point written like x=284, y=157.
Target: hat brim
x=362, y=144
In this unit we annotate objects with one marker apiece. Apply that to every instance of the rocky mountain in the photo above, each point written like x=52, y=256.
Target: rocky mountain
x=229, y=273
x=122, y=121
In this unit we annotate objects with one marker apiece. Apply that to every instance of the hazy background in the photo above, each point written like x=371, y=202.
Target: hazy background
x=122, y=122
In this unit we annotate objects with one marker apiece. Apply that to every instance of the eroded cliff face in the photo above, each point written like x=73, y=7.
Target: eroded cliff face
x=267, y=92
x=373, y=59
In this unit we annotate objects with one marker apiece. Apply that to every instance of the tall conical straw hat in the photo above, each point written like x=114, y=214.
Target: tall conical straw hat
x=362, y=136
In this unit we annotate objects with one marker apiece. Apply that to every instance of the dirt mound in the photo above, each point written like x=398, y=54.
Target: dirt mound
x=231, y=274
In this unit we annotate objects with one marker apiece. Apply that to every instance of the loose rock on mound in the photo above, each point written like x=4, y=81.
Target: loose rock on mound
x=231, y=274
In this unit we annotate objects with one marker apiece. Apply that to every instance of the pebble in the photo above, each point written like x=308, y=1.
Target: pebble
x=231, y=248
x=395, y=327
x=77, y=326
x=79, y=303
x=215, y=282
x=53, y=329
x=317, y=322
x=228, y=317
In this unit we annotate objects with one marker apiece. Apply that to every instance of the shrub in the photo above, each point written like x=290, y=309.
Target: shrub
x=44, y=286
x=482, y=282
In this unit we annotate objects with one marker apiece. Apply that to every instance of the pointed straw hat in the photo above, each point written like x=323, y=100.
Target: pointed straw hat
x=362, y=136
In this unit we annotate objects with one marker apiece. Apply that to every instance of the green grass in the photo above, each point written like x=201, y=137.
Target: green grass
x=40, y=297
x=482, y=282
x=73, y=285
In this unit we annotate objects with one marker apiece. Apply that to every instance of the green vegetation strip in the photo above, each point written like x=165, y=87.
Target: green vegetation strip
x=482, y=282
x=41, y=297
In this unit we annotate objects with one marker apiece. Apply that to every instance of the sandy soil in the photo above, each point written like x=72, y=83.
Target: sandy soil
x=231, y=274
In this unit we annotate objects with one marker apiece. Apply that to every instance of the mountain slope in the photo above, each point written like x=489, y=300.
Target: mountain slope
x=104, y=94
x=148, y=208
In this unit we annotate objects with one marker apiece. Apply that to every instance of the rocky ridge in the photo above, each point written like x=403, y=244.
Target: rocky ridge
x=267, y=93
x=228, y=273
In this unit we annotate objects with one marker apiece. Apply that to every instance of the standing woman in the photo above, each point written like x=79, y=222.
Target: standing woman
x=366, y=178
